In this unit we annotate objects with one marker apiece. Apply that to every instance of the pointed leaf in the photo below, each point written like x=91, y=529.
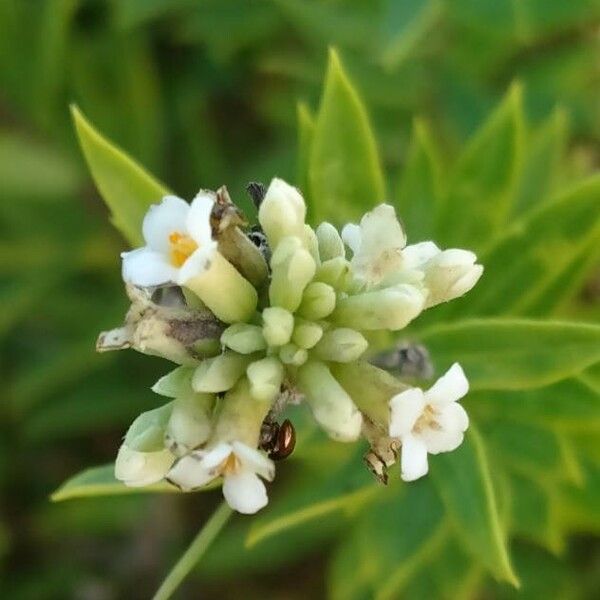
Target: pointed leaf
x=481, y=188
x=125, y=186
x=513, y=354
x=306, y=132
x=419, y=191
x=344, y=170
x=544, y=250
x=465, y=485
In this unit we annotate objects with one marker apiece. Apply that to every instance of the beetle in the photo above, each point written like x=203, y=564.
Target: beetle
x=278, y=440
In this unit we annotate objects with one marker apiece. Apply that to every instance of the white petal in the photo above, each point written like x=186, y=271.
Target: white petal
x=405, y=409
x=245, y=492
x=190, y=473
x=466, y=282
x=137, y=469
x=254, y=460
x=146, y=268
x=450, y=387
x=416, y=255
x=197, y=263
x=452, y=421
x=351, y=236
x=414, y=458
x=162, y=220
x=216, y=456
x=198, y=218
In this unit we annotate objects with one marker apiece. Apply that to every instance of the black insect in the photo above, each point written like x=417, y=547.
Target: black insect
x=277, y=440
x=256, y=191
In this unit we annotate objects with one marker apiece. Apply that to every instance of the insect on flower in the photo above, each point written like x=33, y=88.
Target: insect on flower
x=278, y=440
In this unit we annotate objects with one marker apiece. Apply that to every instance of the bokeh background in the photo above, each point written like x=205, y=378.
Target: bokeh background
x=205, y=92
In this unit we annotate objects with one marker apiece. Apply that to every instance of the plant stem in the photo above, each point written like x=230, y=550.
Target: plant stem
x=194, y=553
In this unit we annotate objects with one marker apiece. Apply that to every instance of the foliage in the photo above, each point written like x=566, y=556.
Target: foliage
x=201, y=107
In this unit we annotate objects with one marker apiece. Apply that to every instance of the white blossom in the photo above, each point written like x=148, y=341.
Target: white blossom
x=376, y=244
x=179, y=243
x=241, y=468
x=429, y=421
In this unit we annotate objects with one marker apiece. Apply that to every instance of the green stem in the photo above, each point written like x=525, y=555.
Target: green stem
x=194, y=553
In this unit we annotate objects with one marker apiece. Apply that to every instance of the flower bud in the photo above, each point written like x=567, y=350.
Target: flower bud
x=306, y=334
x=143, y=458
x=318, y=301
x=331, y=406
x=281, y=212
x=244, y=338
x=392, y=308
x=175, y=384
x=341, y=345
x=310, y=242
x=290, y=354
x=225, y=292
x=220, y=373
x=240, y=417
x=450, y=274
x=330, y=242
x=335, y=272
x=292, y=268
x=278, y=325
x=370, y=387
x=190, y=423
x=265, y=377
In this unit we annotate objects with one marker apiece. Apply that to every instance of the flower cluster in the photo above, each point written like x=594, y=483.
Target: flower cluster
x=277, y=315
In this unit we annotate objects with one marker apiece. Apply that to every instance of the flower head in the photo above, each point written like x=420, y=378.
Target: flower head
x=241, y=468
x=179, y=243
x=429, y=421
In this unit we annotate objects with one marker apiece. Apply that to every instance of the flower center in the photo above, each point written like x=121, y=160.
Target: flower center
x=427, y=420
x=182, y=247
x=230, y=465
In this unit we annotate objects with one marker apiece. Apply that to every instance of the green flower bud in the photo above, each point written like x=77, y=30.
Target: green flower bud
x=278, y=325
x=143, y=458
x=309, y=239
x=265, y=377
x=330, y=242
x=370, y=387
x=190, y=423
x=335, y=272
x=175, y=384
x=240, y=416
x=244, y=338
x=391, y=308
x=290, y=354
x=318, y=301
x=331, y=406
x=220, y=373
x=306, y=334
x=282, y=212
x=225, y=292
x=341, y=345
x=292, y=268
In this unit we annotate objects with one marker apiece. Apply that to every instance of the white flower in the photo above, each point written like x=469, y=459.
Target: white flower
x=240, y=467
x=376, y=244
x=138, y=469
x=430, y=421
x=179, y=243
x=448, y=274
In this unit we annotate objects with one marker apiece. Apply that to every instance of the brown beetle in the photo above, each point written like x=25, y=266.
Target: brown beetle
x=278, y=440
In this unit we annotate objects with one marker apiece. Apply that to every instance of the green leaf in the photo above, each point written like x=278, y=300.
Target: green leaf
x=543, y=153
x=543, y=249
x=420, y=183
x=127, y=189
x=571, y=405
x=464, y=482
x=306, y=132
x=344, y=170
x=388, y=543
x=513, y=354
x=100, y=481
x=481, y=187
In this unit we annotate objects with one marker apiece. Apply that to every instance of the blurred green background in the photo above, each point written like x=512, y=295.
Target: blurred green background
x=205, y=92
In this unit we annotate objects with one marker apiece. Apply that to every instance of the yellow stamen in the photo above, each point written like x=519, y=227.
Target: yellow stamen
x=230, y=465
x=182, y=247
x=427, y=420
